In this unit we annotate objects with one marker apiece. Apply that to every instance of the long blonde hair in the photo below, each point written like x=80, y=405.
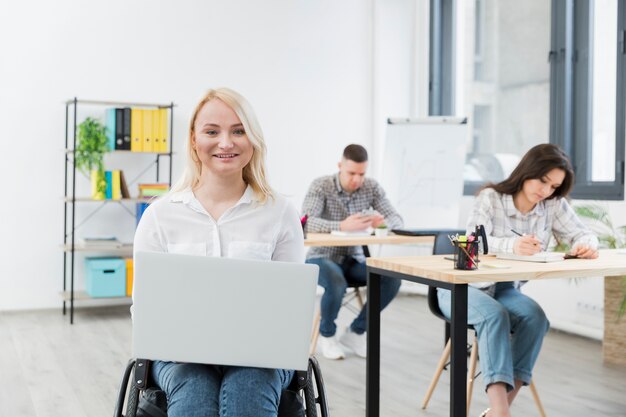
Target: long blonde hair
x=254, y=172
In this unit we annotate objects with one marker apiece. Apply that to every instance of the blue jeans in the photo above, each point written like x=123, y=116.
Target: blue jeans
x=335, y=278
x=197, y=390
x=510, y=329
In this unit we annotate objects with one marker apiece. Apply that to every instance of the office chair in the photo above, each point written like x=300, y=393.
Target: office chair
x=442, y=246
x=305, y=396
x=347, y=302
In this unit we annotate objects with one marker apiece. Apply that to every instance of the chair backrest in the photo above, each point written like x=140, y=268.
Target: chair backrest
x=442, y=246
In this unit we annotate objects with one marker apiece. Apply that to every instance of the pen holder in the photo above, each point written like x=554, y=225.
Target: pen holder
x=466, y=255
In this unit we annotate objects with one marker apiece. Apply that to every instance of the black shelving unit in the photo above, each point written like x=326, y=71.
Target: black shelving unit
x=71, y=200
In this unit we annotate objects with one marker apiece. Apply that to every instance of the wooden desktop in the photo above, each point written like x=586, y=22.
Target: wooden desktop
x=327, y=239
x=439, y=272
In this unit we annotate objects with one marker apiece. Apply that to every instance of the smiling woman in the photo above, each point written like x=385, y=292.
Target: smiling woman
x=221, y=207
x=220, y=141
x=224, y=123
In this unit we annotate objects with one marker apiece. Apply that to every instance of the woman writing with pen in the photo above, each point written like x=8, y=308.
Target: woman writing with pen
x=519, y=214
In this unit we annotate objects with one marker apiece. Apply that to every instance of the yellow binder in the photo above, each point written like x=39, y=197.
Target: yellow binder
x=156, y=132
x=95, y=179
x=129, y=277
x=163, y=130
x=136, y=122
x=116, y=185
x=148, y=134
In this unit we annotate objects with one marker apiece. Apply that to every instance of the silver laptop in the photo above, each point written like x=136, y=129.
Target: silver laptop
x=223, y=311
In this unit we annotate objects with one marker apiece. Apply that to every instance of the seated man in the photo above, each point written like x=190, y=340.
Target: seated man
x=346, y=201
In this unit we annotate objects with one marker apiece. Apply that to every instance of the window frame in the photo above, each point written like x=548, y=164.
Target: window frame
x=571, y=94
x=441, y=100
x=570, y=87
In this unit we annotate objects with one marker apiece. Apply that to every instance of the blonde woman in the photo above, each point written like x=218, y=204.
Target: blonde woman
x=222, y=206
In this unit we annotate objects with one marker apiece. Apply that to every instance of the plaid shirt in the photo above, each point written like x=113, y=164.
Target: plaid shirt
x=327, y=205
x=498, y=214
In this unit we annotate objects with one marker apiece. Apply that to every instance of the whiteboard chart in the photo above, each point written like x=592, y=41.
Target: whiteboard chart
x=423, y=170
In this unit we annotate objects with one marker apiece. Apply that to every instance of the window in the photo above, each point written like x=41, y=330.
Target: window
x=534, y=72
x=479, y=38
x=505, y=83
x=604, y=84
x=442, y=31
x=587, y=62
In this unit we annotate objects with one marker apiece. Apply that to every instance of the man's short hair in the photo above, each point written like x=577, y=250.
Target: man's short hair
x=355, y=153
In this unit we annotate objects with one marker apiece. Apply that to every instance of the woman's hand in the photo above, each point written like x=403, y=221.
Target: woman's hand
x=526, y=245
x=583, y=251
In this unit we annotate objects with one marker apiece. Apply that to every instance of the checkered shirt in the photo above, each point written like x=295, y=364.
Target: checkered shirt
x=498, y=214
x=327, y=205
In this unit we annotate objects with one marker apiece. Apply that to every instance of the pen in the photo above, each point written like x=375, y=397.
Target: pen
x=521, y=235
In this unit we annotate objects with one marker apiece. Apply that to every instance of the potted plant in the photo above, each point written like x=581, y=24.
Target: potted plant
x=597, y=218
x=91, y=146
x=609, y=236
x=381, y=230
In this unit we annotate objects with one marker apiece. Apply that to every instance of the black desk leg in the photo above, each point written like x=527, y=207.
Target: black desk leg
x=372, y=364
x=458, y=371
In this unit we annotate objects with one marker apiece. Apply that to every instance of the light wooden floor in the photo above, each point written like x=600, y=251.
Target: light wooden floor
x=51, y=369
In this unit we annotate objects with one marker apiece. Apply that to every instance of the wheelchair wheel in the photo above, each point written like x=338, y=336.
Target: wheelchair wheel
x=314, y=392
x=133, y=393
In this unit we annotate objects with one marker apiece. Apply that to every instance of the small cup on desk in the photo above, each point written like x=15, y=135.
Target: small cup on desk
x=466, y=255
x=381, y=232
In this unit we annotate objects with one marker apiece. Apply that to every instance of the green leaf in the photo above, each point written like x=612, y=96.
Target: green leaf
x=597, y=218
x=91, y=146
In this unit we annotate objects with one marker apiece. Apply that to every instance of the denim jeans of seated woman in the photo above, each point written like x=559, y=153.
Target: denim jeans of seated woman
x=510, y=327
x=197, y=390
x=334, y=278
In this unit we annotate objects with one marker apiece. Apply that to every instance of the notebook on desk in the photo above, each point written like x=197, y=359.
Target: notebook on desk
x=222, y=310
x=355, y=233
x=423, y=232
x=537, y=257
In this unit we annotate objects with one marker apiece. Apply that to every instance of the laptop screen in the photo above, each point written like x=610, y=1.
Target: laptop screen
x=223, y=311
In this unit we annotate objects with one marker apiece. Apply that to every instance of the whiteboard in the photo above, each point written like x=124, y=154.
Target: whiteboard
x=422, y=171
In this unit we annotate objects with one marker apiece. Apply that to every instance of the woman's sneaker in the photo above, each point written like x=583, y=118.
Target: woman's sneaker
x=330, y=348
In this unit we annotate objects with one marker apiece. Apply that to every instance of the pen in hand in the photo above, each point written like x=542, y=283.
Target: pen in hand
x=527, y=239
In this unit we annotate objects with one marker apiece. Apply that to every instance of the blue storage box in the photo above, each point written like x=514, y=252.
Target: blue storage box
x=105, y=277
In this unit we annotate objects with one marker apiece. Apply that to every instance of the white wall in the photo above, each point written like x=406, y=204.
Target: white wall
x=306, y=67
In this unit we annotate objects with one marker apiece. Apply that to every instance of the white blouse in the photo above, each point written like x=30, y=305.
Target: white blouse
x=177, y=223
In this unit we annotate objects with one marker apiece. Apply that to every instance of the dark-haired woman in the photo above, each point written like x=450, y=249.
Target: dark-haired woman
x=510, y=326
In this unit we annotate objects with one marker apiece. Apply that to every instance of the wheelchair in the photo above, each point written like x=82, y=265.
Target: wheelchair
x=305, y=396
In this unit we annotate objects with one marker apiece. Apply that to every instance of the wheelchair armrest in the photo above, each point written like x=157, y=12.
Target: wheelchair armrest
x=141, y=373
x=299, y=381
x=140, y=382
